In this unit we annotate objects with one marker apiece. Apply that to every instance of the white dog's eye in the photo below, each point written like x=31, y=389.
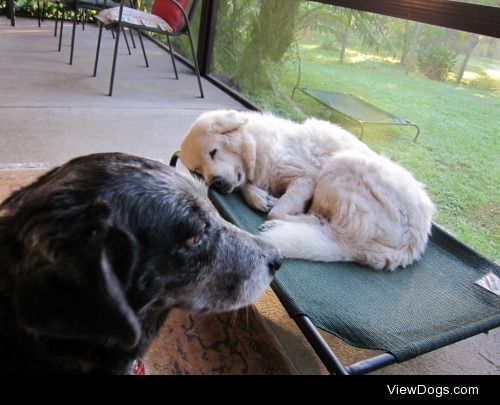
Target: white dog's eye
x=212, y=153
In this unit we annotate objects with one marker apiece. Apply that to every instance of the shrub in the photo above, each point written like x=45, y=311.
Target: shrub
x=436, y=61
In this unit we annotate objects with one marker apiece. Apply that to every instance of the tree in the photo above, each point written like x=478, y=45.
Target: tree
x=471, y=44
x=405, y=43
x=271, y=34
x=233, y=20
x=343, y=22
x=472, y=41
x=413, y=46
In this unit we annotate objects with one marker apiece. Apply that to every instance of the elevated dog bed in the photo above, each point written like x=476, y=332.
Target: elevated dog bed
x=357, y=110
x=408, y=312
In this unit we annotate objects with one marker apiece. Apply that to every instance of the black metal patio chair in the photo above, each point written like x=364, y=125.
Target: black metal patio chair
x=174, y=21
x=10, y=6
x=77, y=7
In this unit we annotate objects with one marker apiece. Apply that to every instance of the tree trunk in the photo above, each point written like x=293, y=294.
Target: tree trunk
x=344, y=36
x=471, y=44
x=343, y=42
x=491, y=47
x=413, y=47
x=271, y=34
x=230, y=19
x=405, y=48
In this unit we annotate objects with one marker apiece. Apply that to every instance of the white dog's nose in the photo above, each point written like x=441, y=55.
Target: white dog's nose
x=219, y=184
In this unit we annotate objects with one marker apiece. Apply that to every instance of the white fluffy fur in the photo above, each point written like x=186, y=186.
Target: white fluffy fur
x=363, y=207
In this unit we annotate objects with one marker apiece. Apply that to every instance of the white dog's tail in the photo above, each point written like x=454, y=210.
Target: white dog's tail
x=303, y=240
x=311, y=240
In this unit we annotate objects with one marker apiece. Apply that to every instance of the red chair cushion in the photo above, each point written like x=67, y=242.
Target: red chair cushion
x=170, y=13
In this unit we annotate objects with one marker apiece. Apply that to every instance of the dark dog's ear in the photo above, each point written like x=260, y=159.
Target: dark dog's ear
x=83, y=297
x=121, y=252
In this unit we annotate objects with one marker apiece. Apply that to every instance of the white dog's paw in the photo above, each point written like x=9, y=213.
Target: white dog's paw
x=259, y=199
x=268, y=226
x=275, y=232
x=270, y=202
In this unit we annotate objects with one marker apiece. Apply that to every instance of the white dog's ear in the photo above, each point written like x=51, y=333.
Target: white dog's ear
x=227, y=122
x=243, y=144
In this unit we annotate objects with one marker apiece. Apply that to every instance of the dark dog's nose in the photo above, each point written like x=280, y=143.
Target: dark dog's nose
x=219, y=184
x=275, y=263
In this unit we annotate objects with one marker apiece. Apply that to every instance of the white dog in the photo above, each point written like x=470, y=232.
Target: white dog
x=328, y=196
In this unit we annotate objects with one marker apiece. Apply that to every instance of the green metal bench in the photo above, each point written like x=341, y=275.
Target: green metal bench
x=357, y=110
x=406, y=313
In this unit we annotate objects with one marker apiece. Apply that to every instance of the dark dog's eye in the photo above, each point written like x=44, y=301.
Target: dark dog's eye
x=196, y=240
x=212, y=153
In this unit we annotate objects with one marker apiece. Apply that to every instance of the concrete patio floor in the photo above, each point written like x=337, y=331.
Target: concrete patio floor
x=51, y=111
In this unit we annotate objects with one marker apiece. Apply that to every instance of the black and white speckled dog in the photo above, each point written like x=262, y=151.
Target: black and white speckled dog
x=95, y=253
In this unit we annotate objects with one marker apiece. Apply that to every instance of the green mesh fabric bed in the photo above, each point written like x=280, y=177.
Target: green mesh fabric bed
x=406, y=313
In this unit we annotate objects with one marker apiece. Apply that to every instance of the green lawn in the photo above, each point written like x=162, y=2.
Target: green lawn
x=457, y=153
